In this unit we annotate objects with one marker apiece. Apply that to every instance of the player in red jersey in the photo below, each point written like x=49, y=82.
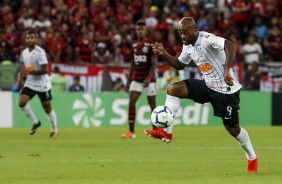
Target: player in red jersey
x=141, y=75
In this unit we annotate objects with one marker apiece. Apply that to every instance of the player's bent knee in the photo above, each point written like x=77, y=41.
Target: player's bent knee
x=234, y=129
x=22, y=104
x=177, y=89
x=47, y=110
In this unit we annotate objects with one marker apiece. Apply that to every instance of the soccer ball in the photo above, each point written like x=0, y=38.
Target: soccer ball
x=162, y=117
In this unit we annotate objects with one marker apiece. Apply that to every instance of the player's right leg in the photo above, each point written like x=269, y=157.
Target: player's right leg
x=27, y=94
x=133, y=97
x=46, y=98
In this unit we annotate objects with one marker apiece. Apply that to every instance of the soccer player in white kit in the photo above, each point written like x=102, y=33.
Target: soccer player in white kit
x=37, y=82
x=213, y=56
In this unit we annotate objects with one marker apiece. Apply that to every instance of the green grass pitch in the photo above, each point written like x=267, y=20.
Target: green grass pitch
x=197, y=155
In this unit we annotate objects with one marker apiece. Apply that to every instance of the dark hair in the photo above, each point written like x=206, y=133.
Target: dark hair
x=30, y=31
x=56, y=69
x=140, y=23
x=76, y=77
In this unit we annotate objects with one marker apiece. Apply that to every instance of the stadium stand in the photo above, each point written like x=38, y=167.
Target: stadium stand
x=71, y=31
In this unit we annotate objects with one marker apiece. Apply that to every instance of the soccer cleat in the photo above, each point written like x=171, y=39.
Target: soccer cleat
x=54, y=134
x=34, y=127
x=128, y=135
x=252, y=165
x=159, y=133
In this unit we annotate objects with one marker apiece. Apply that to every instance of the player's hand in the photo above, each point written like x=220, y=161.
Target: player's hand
x=227, y=78
x=146, y=82
x=126, y=88
x=158, y=48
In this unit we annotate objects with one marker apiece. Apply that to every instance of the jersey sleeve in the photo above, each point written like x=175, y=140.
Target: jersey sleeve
x=214, y=41
x=184, y=56
x=21, y=58
x=42, y=57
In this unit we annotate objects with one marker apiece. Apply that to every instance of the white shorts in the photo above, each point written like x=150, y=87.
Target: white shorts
x=151, y=90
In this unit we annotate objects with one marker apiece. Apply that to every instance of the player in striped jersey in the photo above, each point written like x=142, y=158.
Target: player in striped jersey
x=37, y=83
x=213, y=56
x=141, y=75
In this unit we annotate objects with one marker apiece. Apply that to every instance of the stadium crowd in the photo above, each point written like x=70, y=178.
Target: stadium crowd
x=92, y=32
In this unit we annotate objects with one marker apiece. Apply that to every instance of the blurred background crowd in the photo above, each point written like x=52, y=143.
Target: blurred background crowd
x=98, y=32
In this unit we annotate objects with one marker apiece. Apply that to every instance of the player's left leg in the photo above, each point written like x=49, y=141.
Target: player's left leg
x=133, y=97
x=227, y=107
x=243, y=139
x=46, y=99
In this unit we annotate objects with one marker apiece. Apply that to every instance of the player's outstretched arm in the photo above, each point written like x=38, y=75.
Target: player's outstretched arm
x=172, y=61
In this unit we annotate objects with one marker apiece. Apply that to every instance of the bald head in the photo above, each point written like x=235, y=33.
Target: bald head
x=187, y=22
x=188, y=30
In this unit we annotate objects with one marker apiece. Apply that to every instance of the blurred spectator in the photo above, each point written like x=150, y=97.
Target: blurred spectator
x=104, y=33
x=101, y=55
x=273, y=43
x=117, y=57
x=252, y=51
x=225, y=24
x=118, y=85
x=85, y=47
x=76, y=86
x=126, y=51
x=270, y=9
x=172, y=47
x=71, y=29
x=202, y=23
x=69, y=55
x=55, y=45
x=241, y=15
x=252, y=77
x=238, y=42
x=41, y=24
x=152, y=20
x=58, y=82
x=123, y=36
x=260, y=29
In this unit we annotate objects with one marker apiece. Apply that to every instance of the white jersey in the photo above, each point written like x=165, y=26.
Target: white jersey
x=253, y=57
x=34, y=59
x=209, y=55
